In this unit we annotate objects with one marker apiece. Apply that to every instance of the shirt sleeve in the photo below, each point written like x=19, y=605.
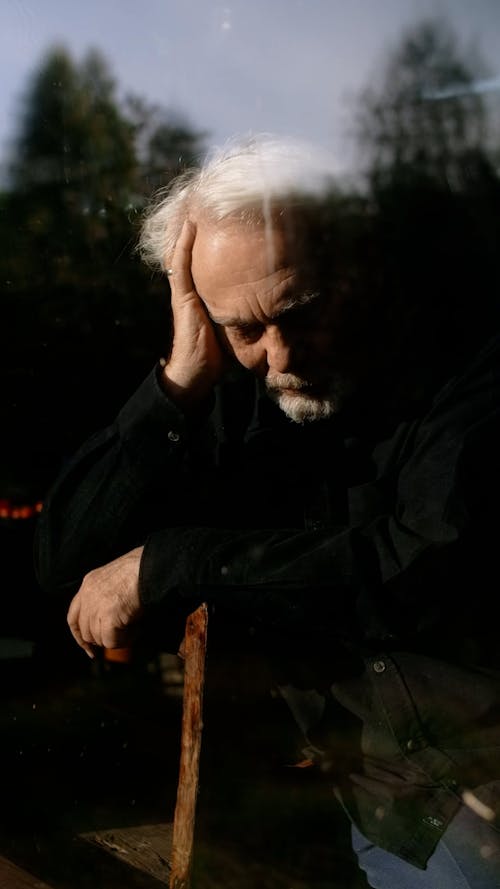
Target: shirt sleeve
x=399, y=575
x=105, y=499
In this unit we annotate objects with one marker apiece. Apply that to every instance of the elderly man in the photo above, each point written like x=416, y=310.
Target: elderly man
x=318, y=457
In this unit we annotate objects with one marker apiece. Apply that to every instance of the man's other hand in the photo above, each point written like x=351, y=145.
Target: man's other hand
x=107, y=604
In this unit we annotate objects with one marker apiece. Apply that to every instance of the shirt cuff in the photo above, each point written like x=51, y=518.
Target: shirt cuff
x=150, y=422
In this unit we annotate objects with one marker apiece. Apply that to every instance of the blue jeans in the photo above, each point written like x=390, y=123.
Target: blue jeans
x=467, y=857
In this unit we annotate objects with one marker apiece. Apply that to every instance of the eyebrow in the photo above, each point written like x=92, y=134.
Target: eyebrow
x=289, y=306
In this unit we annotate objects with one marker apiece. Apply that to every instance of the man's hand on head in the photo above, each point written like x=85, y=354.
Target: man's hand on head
x=196, y=362
x=107, y=604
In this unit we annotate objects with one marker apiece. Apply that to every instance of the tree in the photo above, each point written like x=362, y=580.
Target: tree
x=423, y=116
x=74, y=168
x=76, y=302
x=433, y=188
x=166, y=143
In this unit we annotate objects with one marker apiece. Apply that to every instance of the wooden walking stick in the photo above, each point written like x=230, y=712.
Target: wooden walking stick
x=195, y=646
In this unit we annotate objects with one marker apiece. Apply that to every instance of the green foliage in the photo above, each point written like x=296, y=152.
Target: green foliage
x=76, y=302
x=431, y=155
x=73, y=172
x=166, y=143
x=423, y=116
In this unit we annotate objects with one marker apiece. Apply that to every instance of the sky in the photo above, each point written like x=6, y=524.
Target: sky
x=292, y=67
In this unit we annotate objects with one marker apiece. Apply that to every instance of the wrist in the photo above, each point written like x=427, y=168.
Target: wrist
x=188, y=393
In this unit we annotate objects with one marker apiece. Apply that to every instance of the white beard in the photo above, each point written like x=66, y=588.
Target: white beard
x=300, y=405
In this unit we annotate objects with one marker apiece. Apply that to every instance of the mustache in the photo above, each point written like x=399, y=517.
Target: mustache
x=287, y=381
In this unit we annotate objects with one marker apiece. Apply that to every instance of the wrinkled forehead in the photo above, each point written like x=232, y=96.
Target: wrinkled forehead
x=262, y=242
x=235, y=254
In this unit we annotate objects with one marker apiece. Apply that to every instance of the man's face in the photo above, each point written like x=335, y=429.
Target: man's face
x=274, y=315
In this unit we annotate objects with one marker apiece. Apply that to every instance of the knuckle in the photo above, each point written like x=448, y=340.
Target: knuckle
x=89, y=577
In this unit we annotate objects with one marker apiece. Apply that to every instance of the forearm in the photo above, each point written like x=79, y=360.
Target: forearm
x=103, y=503
x=354, y=584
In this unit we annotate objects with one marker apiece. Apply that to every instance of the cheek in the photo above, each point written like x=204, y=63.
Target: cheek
x=323, y=340
x=312, y=341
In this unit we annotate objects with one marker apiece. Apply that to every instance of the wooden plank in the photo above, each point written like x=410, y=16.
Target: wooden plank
x=14, y=877
x=161, y=850
x=146, y=847
x=195, y=647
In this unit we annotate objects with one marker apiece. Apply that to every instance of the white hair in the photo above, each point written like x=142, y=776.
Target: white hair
x=247, y=179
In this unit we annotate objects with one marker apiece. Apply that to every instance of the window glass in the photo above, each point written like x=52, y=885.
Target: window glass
x=101, y=105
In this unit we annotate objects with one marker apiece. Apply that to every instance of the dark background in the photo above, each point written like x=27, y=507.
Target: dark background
x=82, y=324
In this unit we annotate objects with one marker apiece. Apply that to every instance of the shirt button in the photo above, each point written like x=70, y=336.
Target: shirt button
x=173, y=436
x=434, y=822
x=410, y=745
x=379, y=666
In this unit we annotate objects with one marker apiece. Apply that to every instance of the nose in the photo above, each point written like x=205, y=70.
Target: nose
x=280, y=351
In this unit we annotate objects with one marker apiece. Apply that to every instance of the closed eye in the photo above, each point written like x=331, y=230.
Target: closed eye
x=248, y=333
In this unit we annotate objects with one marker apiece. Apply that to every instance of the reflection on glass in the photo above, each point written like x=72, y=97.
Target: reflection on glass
x=101, y=109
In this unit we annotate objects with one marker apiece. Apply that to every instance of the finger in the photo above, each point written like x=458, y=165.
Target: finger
x=84, y=621
x=95, y=631
x=73, y=619
x=114, y=637
x=87, y=647
x=181, y=281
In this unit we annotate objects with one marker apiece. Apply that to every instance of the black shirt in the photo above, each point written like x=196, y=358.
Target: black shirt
x=361, y=549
